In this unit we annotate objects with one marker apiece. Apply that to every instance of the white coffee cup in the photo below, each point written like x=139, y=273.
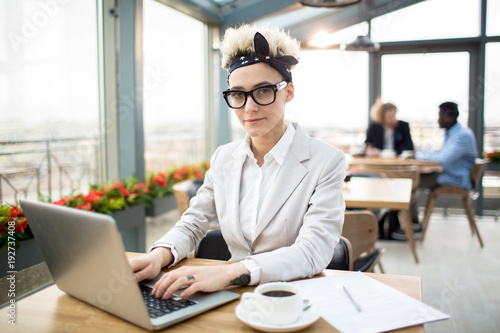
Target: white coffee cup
x=275, y=303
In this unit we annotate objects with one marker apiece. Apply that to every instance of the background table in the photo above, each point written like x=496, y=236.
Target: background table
x=51, y=310
x=379, y=193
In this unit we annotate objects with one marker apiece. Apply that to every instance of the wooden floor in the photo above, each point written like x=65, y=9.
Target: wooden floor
x=458, y=277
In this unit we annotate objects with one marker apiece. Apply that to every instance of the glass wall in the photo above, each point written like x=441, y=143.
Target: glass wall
x=417, y=90
x=174, y=79
x=434, y=19
x=492, y=21
x=331, y=96
x=492, y=98
x=49, y=104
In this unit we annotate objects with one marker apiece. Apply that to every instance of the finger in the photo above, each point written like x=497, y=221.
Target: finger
x=135, y=264
x=181, y=282
x=161, y=286
x=144, y=274
x=195, y=287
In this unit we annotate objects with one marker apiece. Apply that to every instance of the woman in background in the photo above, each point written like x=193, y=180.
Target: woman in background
x=386, y=131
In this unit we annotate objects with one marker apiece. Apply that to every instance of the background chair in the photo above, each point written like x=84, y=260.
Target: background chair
x=184, y=191
x=342, y=256
x=411, y=172
x=361, y=229
x=463, y=194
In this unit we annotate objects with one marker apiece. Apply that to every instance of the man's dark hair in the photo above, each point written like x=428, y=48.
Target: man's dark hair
x=450, y=109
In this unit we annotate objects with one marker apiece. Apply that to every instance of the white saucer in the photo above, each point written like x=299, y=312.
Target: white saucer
x=306, y=318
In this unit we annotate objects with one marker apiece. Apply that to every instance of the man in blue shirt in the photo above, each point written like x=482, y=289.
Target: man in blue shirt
x=456, y=156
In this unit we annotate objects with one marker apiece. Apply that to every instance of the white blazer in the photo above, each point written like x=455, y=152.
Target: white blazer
x=298, y=229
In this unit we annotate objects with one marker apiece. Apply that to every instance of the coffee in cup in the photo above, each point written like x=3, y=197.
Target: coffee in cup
x=275, y=303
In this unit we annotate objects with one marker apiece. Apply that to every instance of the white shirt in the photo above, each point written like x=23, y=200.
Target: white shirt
x=389, y=138
x=256, y=184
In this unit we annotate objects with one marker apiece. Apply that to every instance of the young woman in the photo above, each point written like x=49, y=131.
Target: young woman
x=277, y=193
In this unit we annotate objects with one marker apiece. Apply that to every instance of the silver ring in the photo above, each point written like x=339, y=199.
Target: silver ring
x=190, y=277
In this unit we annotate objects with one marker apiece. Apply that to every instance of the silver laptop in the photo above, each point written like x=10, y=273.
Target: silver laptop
x=85, y=255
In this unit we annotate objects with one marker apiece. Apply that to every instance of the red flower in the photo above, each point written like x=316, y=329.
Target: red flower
x=160, y=180
x=124, y=192
x=85, y=206
x=118, y=184
x=93, y=196
x=14, y=211
x=21, y=224
x=60, y=202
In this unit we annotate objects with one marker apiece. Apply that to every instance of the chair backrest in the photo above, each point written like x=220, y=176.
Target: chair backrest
x=184, y=191
x=342, y=256
x=476, y=173
x=213, y=246
x=361, y=229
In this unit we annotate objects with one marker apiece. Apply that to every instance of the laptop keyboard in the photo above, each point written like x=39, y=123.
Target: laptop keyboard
x=158, y=307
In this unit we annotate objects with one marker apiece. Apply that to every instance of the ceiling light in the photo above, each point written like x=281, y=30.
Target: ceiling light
x=361, y=43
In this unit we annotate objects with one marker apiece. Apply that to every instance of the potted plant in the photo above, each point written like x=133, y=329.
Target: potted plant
x=161, y=184
x=19, y=248
x=493, y=160
x=124, y=201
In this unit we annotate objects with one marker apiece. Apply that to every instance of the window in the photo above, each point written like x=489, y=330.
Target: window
x=429, y=20
x=49, y=84
x=492, y=21
x=492, y=98
x=174, y=79
x=331, y=96
x=419, y=88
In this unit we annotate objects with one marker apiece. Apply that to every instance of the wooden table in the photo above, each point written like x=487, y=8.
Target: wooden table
x=379, y=193
x=424, y=166
x=51, y=310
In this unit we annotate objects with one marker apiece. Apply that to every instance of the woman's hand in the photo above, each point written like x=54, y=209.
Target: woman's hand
x=372, y=151
x=200, y=278
x=148, y=266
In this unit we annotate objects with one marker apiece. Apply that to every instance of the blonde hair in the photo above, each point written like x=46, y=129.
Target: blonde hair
x=239, y=42
x=379, y=109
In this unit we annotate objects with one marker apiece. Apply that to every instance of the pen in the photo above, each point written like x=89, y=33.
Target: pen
x=356, y=305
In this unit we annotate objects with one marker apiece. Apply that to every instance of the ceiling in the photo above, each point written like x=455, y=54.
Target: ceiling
x=302, y=21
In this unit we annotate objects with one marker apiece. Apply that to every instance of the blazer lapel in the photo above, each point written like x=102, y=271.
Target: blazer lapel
x=291, y=174
x=232, y=180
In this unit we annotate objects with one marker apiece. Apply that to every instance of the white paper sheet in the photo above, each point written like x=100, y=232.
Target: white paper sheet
x=383, y=308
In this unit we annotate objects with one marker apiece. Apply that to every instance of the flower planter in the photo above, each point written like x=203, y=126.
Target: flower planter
x=161, y=205
x=26, y=256
x=131, y=223
x=493, y=166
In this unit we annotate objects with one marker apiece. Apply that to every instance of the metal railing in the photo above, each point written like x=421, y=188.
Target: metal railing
x=30, y=168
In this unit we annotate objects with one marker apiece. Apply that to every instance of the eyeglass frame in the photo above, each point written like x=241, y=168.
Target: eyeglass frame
x=276, y=87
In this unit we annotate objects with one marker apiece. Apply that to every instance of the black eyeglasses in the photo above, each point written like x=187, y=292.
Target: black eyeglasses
x=265, y=95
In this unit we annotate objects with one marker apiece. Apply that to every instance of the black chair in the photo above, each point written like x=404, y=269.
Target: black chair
x=342, y=256
x=213, y=246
